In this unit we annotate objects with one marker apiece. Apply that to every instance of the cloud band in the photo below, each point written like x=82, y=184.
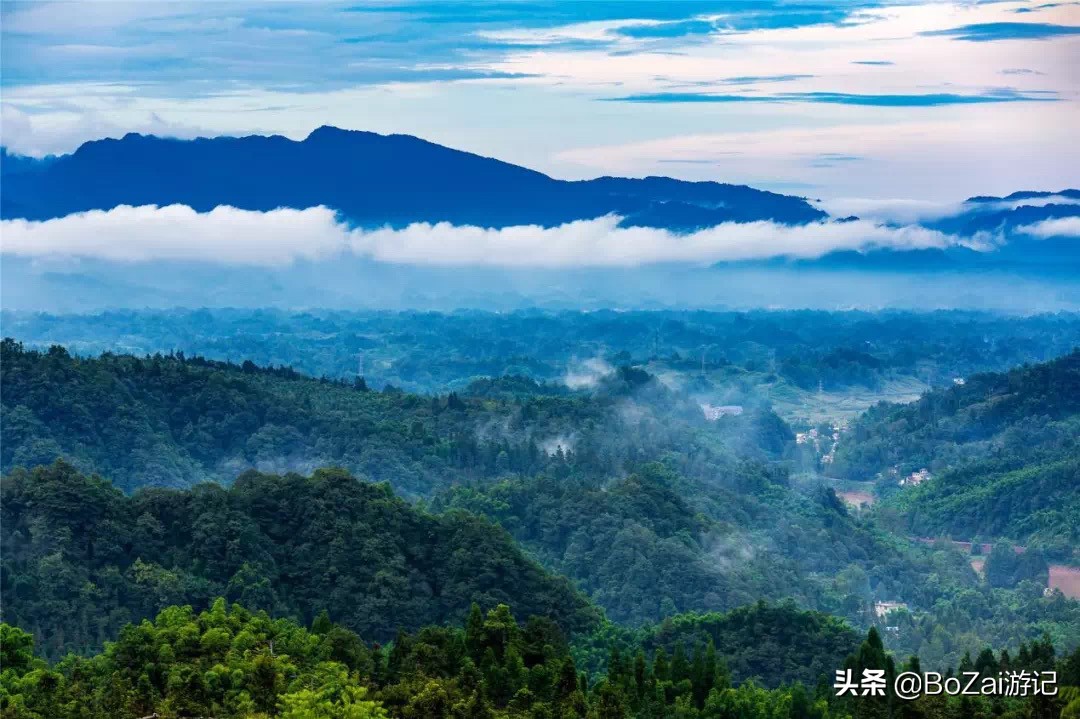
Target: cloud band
x=227, y=235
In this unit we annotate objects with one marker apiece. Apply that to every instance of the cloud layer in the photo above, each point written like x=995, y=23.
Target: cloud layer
x=230, y=236
x=994, y=31
x=903, y=211
x=224, y=235
x=1058, y=227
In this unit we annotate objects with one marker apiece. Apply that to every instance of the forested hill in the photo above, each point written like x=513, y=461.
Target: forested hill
x=1002, y=450
x=175, y=421
x=643, y=551
x=711, y=527
x=623, y=487
x=81, y=559
x=959, y=422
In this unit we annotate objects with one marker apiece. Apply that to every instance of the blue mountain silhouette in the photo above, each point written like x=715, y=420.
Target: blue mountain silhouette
x=370, y=179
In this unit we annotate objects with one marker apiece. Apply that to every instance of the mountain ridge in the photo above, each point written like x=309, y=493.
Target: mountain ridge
x=370, y=179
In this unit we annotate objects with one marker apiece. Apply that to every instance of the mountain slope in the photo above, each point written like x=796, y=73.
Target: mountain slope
x=370, y=179
x=289, y=544
x=652, y=544
x=175, y=421
x=1021, y=219
x=1002, y=450
x=951, y=425
x=992, y=214
x=719, y=524
x=553, y=461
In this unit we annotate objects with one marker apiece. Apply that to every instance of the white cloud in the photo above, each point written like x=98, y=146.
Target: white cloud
x=599, y=30
x=889, y=210
x=1059, y=227
x=601, y=243
x=61, y=131
x=906, y=211
x=936, y=154
x=823, y=52
x=224, y=235
x=53, y=18
x=228, y=235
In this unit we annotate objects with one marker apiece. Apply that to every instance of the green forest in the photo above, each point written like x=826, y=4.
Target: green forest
x=431, y=352
x=1004, y=449
x=193, y=537
x=82, y=560
x=231, y=662
x=716, y=523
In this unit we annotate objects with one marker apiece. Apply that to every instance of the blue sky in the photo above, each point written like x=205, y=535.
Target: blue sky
x=932, y=101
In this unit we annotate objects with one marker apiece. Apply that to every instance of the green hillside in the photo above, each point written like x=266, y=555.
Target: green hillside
x=80, y=559
x=623, y=488
x=1003, y=452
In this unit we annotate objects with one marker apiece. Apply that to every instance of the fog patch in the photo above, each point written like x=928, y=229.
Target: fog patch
x=562, y=444
x=587, y=374
x=232, y=468
x=674, y=381
x=732, y=552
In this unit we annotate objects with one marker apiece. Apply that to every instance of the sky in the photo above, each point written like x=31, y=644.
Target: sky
x=931, y=101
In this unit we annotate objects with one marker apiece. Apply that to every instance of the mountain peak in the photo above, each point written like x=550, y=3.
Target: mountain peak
x=323, y=132
x=371, y=180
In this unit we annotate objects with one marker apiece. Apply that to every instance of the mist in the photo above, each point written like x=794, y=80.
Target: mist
x=89, y=285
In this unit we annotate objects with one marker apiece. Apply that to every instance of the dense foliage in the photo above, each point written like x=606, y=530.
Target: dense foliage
x=174, y=421
x=643, y=551
x=231, y=663
x=718, y=546
x=1002, y=449
x=1031, y=500
x=746, y=543
x=772, y=644
x=434, y=353
x=80, y=559
x=990, y=411
x=719, y=522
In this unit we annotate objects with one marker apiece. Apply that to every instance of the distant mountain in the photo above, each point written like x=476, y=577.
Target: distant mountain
x=1004, y=233
x=375, y=180
x=1000, y=214
x=371, y=179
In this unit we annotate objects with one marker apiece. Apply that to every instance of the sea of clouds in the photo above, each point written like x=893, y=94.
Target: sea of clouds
x=227, y=235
